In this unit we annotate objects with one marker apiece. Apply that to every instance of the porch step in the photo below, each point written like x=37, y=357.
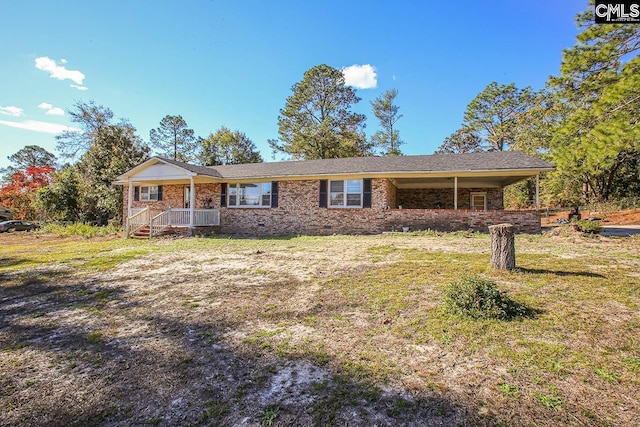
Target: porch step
x=145, y=232
x=142, y=233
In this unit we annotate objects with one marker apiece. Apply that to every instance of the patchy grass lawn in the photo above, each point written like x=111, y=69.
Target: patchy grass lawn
x=303, y=331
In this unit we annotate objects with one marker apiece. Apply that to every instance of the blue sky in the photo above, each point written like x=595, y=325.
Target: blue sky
x=232, y=63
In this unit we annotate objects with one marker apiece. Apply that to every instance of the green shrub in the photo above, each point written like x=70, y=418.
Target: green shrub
x=480, y=298
x=586, y=226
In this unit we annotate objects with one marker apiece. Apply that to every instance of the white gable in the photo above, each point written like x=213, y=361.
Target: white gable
x=160, y=171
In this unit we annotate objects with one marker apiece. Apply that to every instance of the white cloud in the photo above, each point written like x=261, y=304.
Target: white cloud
x=79, y=87
x=360, y=76
x=59, y=72
x=12, y=111
x=64, y=61
x=36, y=126
x=51, y=110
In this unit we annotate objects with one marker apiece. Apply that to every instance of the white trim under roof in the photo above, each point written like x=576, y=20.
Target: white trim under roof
x=155, y=169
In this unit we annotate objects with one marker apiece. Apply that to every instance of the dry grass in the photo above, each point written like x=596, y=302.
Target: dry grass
x=314, y=331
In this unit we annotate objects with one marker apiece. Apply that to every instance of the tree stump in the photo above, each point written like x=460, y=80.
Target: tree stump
x=503, y=249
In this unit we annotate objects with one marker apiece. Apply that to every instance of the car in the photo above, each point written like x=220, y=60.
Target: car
x=5, y=214
x=6, y=226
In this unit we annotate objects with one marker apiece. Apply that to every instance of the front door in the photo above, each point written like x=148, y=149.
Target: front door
x=187, y=196
x=478, y=201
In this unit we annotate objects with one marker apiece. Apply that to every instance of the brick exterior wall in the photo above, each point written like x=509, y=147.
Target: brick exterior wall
x=298, y=211
x=391, y=193
x=442, y=198
x=462, y=219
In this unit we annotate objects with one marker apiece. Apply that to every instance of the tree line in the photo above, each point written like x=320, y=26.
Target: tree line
x=315, y=123
x=585, y=121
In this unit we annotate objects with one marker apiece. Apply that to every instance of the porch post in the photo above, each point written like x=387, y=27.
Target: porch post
x=127, y=225
x=455, y=192
x=192, y=202
x=538, y=192
x=129, y=197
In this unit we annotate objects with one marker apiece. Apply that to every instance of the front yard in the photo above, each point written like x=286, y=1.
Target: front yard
x=336, y=330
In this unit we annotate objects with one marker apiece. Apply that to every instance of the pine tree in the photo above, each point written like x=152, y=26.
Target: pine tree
x=317, y=121
x=600, y=85
x=388, y=138
x=173, y=139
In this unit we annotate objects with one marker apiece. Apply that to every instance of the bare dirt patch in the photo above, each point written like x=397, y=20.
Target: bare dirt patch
x=314, y=331
x=628, y=217
x=624, y=217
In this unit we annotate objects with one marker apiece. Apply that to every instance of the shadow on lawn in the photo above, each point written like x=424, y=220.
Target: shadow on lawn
x=277, y=237
x=559, y=273
x=70, y=365
x=13, y=261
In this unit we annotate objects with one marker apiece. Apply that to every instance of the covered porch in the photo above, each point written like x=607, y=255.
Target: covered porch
x=477, y=191
x=149, y=222
x=164, y=198
x=458, y=202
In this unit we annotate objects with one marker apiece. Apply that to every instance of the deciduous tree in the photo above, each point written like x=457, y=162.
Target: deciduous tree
x=115, y=150
x=225, y=147
x=106, y=150
x=461, y=141
x=491, y=120
x=19, y=195
x=317, y=121
x=63, y=199
x=30, y=155
x=91, y=118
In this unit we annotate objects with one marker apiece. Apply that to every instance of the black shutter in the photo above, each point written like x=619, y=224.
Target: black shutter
x=323, y=193
x=274, y=194
x=136, y=193
x=159, y=193
x=223, y=195
x=366, y=194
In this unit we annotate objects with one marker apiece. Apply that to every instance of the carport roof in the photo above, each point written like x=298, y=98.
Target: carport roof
x=507, y=161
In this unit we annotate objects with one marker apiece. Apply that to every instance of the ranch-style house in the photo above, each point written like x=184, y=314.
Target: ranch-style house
x=362, y=195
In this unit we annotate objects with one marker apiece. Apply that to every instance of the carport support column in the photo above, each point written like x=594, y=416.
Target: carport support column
x=455, y=192
x=538, y=192
x=192, y=202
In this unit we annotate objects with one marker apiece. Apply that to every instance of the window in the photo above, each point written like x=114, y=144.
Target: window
x=250, y=195
x=479, y=201
x=152, y=193
x=345, y=194
x=149, y=193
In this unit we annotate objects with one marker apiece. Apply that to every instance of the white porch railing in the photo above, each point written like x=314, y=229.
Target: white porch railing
x=201, y=217
x=172, y=217
x=180, y=217
x=206, y=217
x=159, y=222
x=137, y=220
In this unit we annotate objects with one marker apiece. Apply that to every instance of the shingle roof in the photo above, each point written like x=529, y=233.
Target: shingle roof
x=200, y=170
x=469, y=162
